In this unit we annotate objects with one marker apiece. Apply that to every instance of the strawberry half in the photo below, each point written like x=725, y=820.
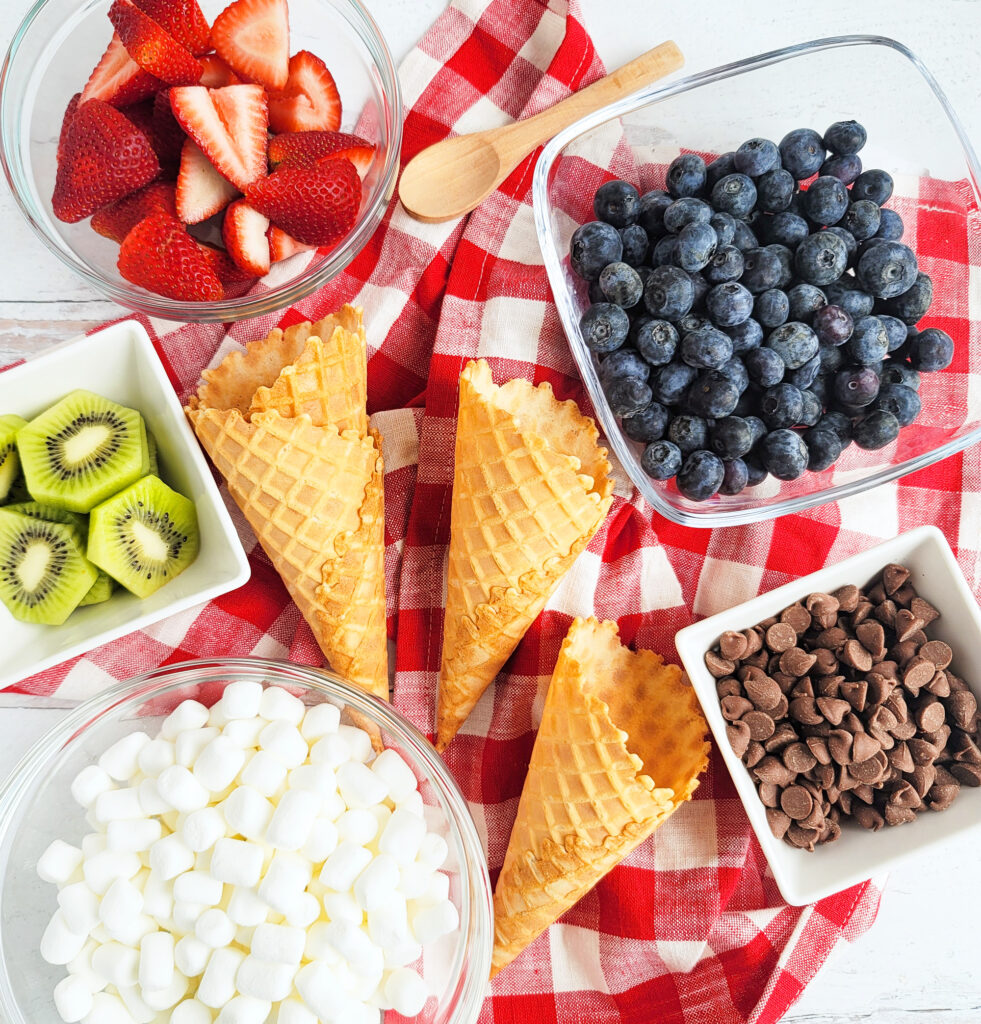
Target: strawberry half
x=159, y=255
x=316, y=205
x=65, y=123
x=118, y=79
x=167, y=137
x=282, y=245
x=155, y=50
x=309, y=101
x=217, y=73
x=118, y=219
x=253, y=38
x=244, y=235
x=183, y=20
x=201, y=190
x=223, y=266
x=300, y=149
x=105, y=157
x=229, y=125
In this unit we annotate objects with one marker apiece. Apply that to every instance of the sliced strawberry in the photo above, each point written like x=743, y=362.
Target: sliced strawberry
x=244, y=235
x=229, y=125
x=155, y=50
x=119, y=218
x=300, y=149
x=316, y=205
x=159, y=255
x=253, y=37
x=105, y=157
x=183, y=20
x=309, y=101
x=217, y=73
x=282, y=245
x=65, y=122
x=118, y=79
x=168, y=136
x=223, y=265
x=201, y=190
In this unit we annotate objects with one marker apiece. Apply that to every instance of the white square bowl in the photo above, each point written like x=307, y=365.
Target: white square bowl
x=121, y=364
x=804, y=877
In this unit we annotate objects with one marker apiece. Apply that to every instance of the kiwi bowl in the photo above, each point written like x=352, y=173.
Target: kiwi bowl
x=120, y=364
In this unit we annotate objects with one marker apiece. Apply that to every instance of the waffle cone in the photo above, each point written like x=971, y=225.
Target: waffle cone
x=621, y=746
x=530, y=488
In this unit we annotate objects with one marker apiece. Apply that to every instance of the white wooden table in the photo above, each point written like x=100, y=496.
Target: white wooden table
x=919, y=961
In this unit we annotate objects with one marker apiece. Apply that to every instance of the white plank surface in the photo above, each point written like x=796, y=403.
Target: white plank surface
x=918, y=963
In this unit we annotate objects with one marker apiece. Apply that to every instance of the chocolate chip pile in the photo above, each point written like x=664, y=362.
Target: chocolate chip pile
x=843, y=707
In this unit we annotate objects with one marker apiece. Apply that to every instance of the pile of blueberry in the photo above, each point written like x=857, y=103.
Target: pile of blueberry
x=745, y=324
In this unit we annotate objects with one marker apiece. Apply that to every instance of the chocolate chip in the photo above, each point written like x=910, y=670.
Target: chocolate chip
x=754, y=754
x=769, y=794
x=864, y=746
x=833, y=639
x=785, y=682
x=941, y=797
x=871, y=771
x=796, y=662
x=798, y=617
x=882, y=719
x=924, y=611
x=939, y=685
x=904, y=730
x=962, y=708
x=833, y=709
x=872, y=637
x=827, y=686
x=825, y=663
x=783, y=736
x=904, y=795
x=922, y=778
x=930, y=715
x=888, y=669
x=896, y=703
x=893, y=577
x=823, y=609
x=921, y=751
x=824, y=776
x=964, y=748
x=719, y=666
x=840, y=746
x=798, y=758
x=772, y=769
x=733, y=708
x=864, y=792
x=728, y=687
x=938, y=738
x=879, y=687
x=754, y=641
x=780, y=637
x=904, y=595
x=778, y=821
x=900, y=758
x=761, y=725
x=868, y=817
x=804, y=710
x=803, y=688
x=763, y=692
x=856, y=693
x=856, y=656
x=780, y=711
x=738, y=735
x=802, y=838
x=760, y=659
x=917, y=674
x=906, y=624
x=876, y=593
x=938, y=652
x=733, y=645
x=847, y=597
x=818, y=746
x=886, y=613
x=863, y=611
x=899, y=815
x=797, y=802
x=815, y=819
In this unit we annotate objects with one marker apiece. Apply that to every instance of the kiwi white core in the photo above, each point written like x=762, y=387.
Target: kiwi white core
x=33, y=567
x=152, y=546
x=81, y=446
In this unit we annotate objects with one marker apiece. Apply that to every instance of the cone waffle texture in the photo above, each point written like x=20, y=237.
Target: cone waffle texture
x=621, y=745
x=530, y=488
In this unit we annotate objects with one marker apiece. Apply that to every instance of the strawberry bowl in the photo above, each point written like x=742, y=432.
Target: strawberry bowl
x=175, y=165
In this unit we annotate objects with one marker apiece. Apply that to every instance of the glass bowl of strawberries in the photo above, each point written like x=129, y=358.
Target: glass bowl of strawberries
x=201, y=160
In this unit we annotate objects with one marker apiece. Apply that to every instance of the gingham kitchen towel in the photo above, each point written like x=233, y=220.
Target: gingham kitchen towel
x=690, y=929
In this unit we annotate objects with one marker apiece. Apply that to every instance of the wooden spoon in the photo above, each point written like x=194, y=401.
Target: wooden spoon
x=454, y=176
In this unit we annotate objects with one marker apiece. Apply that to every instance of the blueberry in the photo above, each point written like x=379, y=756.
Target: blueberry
x=874, y=184
x=838, y=423
x=735, y=371
x=771, y=307
x=691, y=322
x=593, y=246
x=724, y=226
x=832, y=325
x=735, y=477
x=781, y=406
x=626, y=395
x=656, y=340
x=851, y=246
x=685, y=211
x=756, y=471
x=617, y=203
x=845, y=168
x=669, y=293
x=706, y=349
x=887, y=270
x=645, y=273
x=876, y=430
x=826, y=200
x=784, y=454
x=713, y=395
x=891, y=225
x=744, y=238
x=732, y=437
x=823, y=448
x=786, y=258
x=621, y=284
x=774, y=190
x=689, y=433
x=794, y=342
x=756, y=427
x=635, y=244
x=765, y=367
x=762, y=270
x=700, y=476
x=701, y=287
x=819, y=387
x=904, y=403
x=812, y=408
x=820, y=258
x=856, y=386
x=661, y=460
x=845, y=137
x=725, y=265
x=686, y=175
x=831, y=358
x=670, y=383
x=805, y=301
x=931, y=350
x=788, y=229
x=745, y=336
x=756, y=157
x=719, y=168
x=869, y=342
x=664, y=251
x=625, y=362
x=846, y=293
x=735, y=194
x=802, y=153
x=911, y=305
x=804, y=376
x=728, y=304
x=862, y=219
x=650, y=211
x=696, y=246
x=900, y=373
x=647, y=425
x=604, y=327
x=895, y=329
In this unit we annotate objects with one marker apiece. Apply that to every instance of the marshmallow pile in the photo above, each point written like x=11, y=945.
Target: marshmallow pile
x=255, y=862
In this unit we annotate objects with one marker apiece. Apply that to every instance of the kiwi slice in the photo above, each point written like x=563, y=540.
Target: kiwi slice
x=9, y=459
x=18, y=491
x=82, y=451
x=154, y=464
x=144, y=536
x=44, y=574
x=36, y=510
x=100, y=591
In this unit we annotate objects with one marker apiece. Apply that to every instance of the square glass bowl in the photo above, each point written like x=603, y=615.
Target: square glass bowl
x=121, y=364
x=938, y=193
x=804, y=877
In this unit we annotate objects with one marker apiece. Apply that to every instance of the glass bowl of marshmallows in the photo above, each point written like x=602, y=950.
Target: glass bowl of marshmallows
x=242, y=841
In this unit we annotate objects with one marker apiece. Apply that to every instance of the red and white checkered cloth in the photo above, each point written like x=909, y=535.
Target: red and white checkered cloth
x=690, y=928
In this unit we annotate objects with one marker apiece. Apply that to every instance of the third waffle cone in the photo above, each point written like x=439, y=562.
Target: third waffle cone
x=621, y=745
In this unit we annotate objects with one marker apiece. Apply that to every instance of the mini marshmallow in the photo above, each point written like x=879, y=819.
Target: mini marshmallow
x=107, y=1009
x=130, y=931
x=188, y=745
x=406, y=991
x=158, y=897
x=342, y=906
x=190, y=1011
x=413, y=803
x=303, y=911
x=286, y=877
x=344, y=865
x=186, y=916
x=215, y=928
x=438, y=888
x=241, y=699
x=247, y=812
x=358, y=742
x=90, y=783
x=218, y=764
x=80, y=907
x=244, y=732
x=433, y=850
x=377, y=882
x=263, y=980
x=413, y=880
x=59, y=943
x=117, y=963
x=433, y=920
x=156, y=969
x=359, y=786
x=121, y=761
x=319, y=778
x=191, y=955
x=382, y=814
x=388, y=924
x=320, y=720
x=331, y=749
x=135, y=1006
x=292, y=1011
x=81, y=967
x=188, y=715
x=391, y=768
x=278, y=944
x=292, y=820
x=321, y=842
x=133, y=836
x=243, y=936
x=366, y=979
x=352, y=945
x=333, y=806
x=237, y=862
x=93, y=843
x=282, y=739
x=72, y=999
x=150, y=799
x=358, y=826
x=165, y=998
x=198, y=887
x=402, y=836
x=181, y=789
x=216, y=717
x=101, y=870
x=59, y=862
x=316, y=946
x=218, y=981
x=246, y=909
x=319, y=987
x=278, y=704
x=244, y=1010
x=118, y=805
x=170, y=857
x=156, y=755
x=264, y=772
x=202, y=829
x=121, y=903
x=402, y=954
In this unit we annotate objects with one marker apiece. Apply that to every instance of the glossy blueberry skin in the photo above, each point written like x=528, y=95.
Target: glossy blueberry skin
x=802, y=152
x=804, y=376
x=745, y=336
x=728, y=304
x=656, y=340
x=845, y=137
x=786, y=258
x=812, y=408
x=819, y=387
x=901, y=373
x=604, y=327
x=805, y=301
x=895, y=329
x=931, y=350
x=685, y=211
x=670, y=383
x=837, y=422
x=696, y=246
x=794, y=342
x=774, y=190
x=887, y=270
x=647, y=425
x=784, y=454
x=771, y=307
x=735, y=371
x=700, y=476
x=712, y=395
x=661, y=460
x=686, y=175
x=856, y=386
x=765, y=367
x=744, y=238
x=725, y=265
x=689, y=433
x=869, y=342
x=734, y=194
x=724, y=226
x=719, y=168
x=781, y=406
x=911, y=305
x=669, y=293
x=845, y=168
x=625, y=362
x=635, y=244
x=846, y=293
x=593, y=246
x=874, y=184
x=786, y=228
x=826, y=200
x=851, y=246
x=735, y=477
x=823, y=448
x=876, y=430
x=831, y=358
x=762, y=270
x=904, y=403
x=650, y=212
x=755, y=469
x=832, y=325
x=626, y=395
x=757, y=156
x=691, y=322
x=821, y=258
x=731, y=437
x=664, y=252
x=617, y=203
x=706, y=349
x=891, y=225
x=862, y=219
x=621, y=284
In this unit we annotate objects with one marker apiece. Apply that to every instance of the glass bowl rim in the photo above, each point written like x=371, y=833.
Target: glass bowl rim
x=611, y=429
x=225, y=310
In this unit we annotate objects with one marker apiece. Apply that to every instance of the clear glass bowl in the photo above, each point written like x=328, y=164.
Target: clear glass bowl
x=912, y=133
x=50, y=58
x=36, y=807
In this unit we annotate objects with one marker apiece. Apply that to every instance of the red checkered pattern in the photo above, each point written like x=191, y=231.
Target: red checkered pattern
x=690, y=928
